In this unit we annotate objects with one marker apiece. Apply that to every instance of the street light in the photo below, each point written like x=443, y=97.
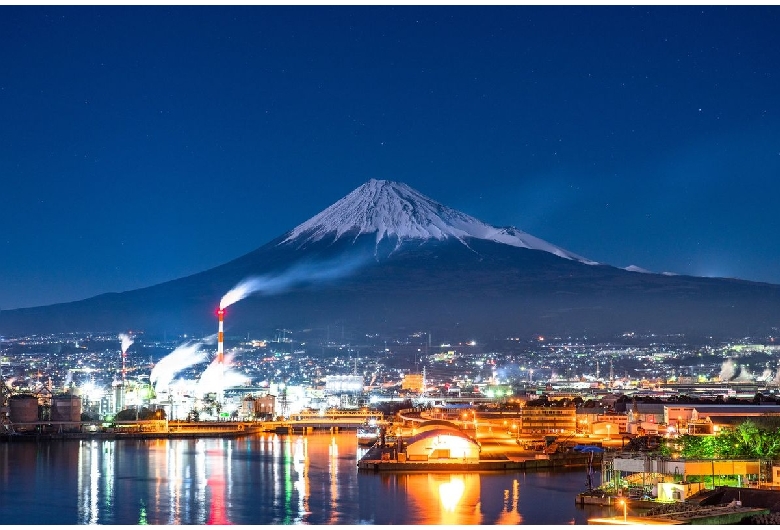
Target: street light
x=623, y=502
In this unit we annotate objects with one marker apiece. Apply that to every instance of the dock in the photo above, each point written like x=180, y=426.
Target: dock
x=385, y=460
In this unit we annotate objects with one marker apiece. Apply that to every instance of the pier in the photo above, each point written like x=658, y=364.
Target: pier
x=387, y=459
x=710, y=515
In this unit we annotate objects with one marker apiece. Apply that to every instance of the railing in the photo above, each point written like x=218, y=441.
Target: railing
x=338, y=414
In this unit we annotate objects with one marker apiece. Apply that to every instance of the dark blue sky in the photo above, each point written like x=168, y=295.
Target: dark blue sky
x=142, y=144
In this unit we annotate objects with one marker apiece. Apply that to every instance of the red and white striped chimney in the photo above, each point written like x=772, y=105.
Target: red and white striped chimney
x=220, y=336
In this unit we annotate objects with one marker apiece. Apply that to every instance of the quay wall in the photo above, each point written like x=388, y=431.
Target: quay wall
x=557, y=462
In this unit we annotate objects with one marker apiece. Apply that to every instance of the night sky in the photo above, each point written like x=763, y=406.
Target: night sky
x=142, y=144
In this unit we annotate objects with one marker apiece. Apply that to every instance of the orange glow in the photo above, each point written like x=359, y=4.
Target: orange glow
x=450, y=493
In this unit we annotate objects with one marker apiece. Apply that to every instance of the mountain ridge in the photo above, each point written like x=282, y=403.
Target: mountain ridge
x=449, y=281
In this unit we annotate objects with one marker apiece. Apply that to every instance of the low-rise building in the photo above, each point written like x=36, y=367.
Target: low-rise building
x=548, y=420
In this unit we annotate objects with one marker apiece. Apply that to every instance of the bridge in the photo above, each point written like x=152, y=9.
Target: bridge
x=328, y=419
x=306, y=421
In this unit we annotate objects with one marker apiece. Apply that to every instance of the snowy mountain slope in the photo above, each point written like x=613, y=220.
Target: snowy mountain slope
x=636, y=268
x=395, y=210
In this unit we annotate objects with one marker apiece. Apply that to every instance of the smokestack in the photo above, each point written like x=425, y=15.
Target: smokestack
x=127, y=341
x=221, y=353
x=220, y=336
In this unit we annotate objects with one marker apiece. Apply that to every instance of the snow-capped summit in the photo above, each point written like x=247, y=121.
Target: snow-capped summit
x=394, y=210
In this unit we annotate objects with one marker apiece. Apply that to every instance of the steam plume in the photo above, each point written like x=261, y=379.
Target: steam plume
x=727, y=370
x=745, y=374
x=216, y=378
x=182, y=357
x=297, y=274
x=127, y=341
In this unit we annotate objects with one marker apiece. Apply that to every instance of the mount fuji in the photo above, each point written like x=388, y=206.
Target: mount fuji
x=386, y=258
x=394, y=211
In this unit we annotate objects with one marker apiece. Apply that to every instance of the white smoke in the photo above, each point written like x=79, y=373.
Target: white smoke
x=745, y=375
x=127, y=341
x=216, y=378
x=297, y=274
x=727, y=370
x=183, y=356
x=776, y=380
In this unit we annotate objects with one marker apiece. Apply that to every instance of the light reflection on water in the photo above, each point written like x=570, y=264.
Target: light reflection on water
x=262, y=479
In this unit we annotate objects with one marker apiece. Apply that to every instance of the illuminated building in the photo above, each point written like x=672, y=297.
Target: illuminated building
x=441, y=443
x=548, y=420
x=336, y=384
x=412, y=382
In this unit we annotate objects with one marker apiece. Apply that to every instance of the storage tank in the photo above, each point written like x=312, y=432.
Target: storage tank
x=23, y=408
x=248, y=408
x=66, y=407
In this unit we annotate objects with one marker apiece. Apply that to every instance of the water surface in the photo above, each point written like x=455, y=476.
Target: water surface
x=262, y=479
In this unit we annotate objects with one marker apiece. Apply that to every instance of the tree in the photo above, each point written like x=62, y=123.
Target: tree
x=697, y=446
x=746, y=440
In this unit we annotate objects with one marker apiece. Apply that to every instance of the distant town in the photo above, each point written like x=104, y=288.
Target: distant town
x=273, y=377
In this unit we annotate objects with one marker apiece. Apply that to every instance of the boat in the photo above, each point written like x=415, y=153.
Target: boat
x=596, y=497
x=368, y=433
x=592, y=495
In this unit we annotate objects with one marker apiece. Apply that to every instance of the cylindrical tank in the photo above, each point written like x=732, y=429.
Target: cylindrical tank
x=66, y=407
x=23, y=408
x=248, y=407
